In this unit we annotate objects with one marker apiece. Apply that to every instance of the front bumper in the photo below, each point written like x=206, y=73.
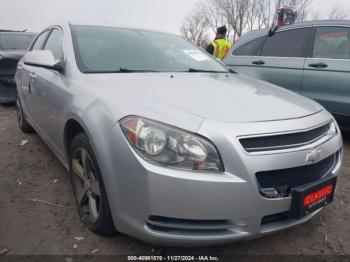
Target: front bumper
x=7, y=89
x=181, y=208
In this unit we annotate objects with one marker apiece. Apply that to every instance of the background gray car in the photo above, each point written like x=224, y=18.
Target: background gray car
x=163, y=143
x=312, y=59
x=13, y=45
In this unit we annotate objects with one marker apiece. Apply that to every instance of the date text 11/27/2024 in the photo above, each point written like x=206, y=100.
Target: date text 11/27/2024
x=173, y=258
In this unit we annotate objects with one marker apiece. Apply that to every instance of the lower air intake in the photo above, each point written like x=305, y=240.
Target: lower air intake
x=284, y=179
x=167, y=224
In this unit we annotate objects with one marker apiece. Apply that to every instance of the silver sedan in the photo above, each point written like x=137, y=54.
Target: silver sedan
x=164, y=143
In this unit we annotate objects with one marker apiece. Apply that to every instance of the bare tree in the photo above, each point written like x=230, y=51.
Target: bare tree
x=213, y=14
x=338, y=13
x=194, y=28
x=240, y=16
x=236, y=14
x=253, y=14
x=266, y=13
x=302, y=7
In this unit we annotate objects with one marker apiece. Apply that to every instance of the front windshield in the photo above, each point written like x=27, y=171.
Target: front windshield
x=108, y=49
x=19, y=41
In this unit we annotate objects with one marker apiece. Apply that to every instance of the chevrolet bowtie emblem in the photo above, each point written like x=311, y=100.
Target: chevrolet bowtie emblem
x=314, y=156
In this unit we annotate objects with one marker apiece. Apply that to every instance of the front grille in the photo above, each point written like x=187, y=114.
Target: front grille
x=8, y=64
x=284, y=141
x=7, y=81
x=284, y=179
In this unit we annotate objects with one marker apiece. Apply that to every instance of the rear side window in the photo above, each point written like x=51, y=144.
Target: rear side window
x=291, y=43
x=55, y=44
x=251, y=48
x=39, y=41
x=332, y=42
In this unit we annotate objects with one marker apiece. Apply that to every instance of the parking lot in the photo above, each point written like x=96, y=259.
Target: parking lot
x=38, y=215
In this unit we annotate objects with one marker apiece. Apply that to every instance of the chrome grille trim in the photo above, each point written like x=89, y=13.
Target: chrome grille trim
x=283, y=141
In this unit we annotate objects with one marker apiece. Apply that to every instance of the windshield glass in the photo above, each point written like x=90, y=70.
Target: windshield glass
x=15, y=40
x=108, y=49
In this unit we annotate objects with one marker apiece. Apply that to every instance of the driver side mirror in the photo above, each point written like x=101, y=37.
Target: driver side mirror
x=45, y=59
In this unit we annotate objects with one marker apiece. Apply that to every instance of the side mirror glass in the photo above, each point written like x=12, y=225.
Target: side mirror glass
x=43, y=58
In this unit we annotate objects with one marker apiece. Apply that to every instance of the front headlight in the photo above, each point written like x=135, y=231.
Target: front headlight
x=169, y=146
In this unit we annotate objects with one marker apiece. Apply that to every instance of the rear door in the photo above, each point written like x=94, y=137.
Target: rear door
x=283, y=56
x=26, y=77
x=327, y=71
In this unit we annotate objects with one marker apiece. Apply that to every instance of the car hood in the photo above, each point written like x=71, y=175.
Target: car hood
x=9, y=53
x=218, y=97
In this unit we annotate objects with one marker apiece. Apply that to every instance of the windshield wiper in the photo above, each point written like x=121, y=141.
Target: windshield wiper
x=126, y=70
x=120, y=70
x=194, y=70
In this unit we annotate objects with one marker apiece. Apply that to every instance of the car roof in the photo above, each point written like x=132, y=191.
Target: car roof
x=146, y=29
x=263, y=32
x=16, y=32
x=68, y=24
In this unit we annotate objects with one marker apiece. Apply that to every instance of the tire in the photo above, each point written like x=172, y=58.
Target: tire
x=22, y=121
x=88, y=187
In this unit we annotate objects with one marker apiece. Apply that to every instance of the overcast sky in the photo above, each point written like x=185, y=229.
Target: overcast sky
x=164, y=15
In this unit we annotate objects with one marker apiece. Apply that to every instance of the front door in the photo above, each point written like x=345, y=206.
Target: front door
x=49, y=94
x=283, y=56
x=245, y=59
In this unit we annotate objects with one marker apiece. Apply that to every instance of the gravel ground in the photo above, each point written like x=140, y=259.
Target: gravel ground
x=31, y=172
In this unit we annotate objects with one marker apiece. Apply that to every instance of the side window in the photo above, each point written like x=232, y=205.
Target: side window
x=38, y=44
x=291, y=43
x=251, y=48
x=55, y=44
x=332, y=42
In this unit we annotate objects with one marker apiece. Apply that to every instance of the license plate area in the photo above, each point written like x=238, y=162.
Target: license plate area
x=309, y=198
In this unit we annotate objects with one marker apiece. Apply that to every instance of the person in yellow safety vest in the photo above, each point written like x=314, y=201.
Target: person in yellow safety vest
x=220, y=47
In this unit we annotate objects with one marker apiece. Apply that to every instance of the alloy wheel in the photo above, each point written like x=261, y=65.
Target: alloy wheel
x=19, y=111
x=86, y=186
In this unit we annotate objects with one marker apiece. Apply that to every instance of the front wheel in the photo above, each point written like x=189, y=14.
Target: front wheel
x=88, y=187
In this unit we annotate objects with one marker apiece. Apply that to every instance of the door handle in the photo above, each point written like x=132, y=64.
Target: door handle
x=259, y=62
x=319, y=65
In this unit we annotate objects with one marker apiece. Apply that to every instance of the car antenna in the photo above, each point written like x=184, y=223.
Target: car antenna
x=273, y=30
